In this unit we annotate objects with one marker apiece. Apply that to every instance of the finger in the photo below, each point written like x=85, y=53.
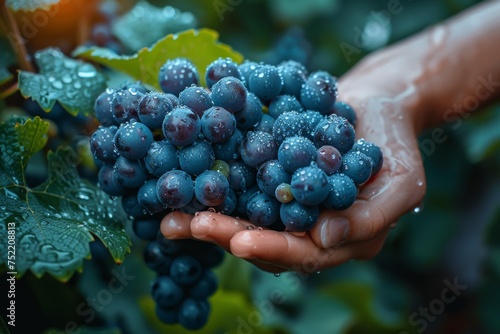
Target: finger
x=295, y=253
x=176, y=225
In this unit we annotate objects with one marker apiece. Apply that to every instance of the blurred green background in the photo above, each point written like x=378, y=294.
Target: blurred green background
x=453, y=239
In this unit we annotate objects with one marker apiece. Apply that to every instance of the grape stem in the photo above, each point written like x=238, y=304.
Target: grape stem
x=9, y=91
x=15, y=39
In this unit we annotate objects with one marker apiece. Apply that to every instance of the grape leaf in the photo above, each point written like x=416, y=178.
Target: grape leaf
x=30, y=5
x=7, y=58
x=73, y=83
x=134, y=34
x=199, y=46
x=53, y=221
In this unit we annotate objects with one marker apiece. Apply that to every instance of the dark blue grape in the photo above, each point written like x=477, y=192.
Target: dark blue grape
x=169, y=246
x=317, y=94
x=167, y=315
x=241, y=205
x=196, y=158
x=125, y=104
x=284, y=103
x=130, y=173
x=209, y=255
x=342, y=192
x=266, y=124
x=230, y=149
x=161, y=157
x=312, y=119
x=372, y=151
x=205, y=287
x=102, y=144
x=296, y=152
x=344, y=110
x=155, y=259
x=211, y=188
x=132, y=140
x=166, y=292
x=181, y=126
x=185, y=270
x=219, y=69
x=293, y=78
x=229, y=205
x=330, y=79
x=246, y=69
x=241, y=176
x=173, y=99
x=265, y=82
x=193, y=314
x=270, y=175
x=108, y=182
x=229, y=93
x=289, y=124
x=310, y=185
x=298, y=217
x=250, y=114
x=177, y=74
x=131, y=205
x=217, y=124
x=357, y=166
x=153, y=108
x=103, y=108
x=193, y=207
x=263, y=210
x=137, y=85
x=148, y=198
x=146, y=228
x=296, y=65
x=335, y=131
x=175, y=189
x=257, y=148
x=328, y=158
x=196, y=98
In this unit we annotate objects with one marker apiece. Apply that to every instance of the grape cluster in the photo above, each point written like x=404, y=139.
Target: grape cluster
x=267, y=143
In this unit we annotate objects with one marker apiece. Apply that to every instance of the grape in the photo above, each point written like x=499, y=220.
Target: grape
x=270, y=175
x=125, y=104
x=131, y=205
x=246, y=69
x=146, y=228
x=298, y=217
x=161, y=157
x=257, y=148
x=357, y=166
x=372, y=151
x=132, y=140
x=219, y=69
x=283, y=193
x=335, y=131
x=221, y=166
x=265, y=82
x=295, y=65
x=177, y=74
x=102, y=144
x=137, y=85
x=173, y=99
x=230, y=149
x=263, y=210
x=153, y=108
x=312, y=118
x=185, y=270
x=229, y=205
x=296, y=152
x=168, y=246
x=293, y=78
x=155, y=259
x=266, y=124
x=205, y=287
x=103, y=108
x=193, y=314
x=211, y=188
x=284, y=103
x=310, y=185
x=196, y=158
x=241, y=176
x=241, y=204
x=289, y=124
x=342, y=193
x=167, y=315
x=218, y=124
x=229, y=93
x=328, y=158
x=148, y=198
x=344, y=110
x=175, y=189
x=166, y=292
x=181, y=126
x=317, y=94
x=108, y=182
x=129, y=173
x=196, y=98
x=330, y=79
x=250, y=114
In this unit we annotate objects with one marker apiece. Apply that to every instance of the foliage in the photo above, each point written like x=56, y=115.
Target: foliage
x=30, y=5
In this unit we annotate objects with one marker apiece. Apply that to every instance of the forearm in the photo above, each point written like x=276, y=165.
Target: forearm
x=443, y=73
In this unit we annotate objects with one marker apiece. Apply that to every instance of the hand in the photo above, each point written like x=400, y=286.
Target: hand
x=385, y=118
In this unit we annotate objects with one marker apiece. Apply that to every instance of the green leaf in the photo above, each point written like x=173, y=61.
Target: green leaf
x=134, y=34
x=7, y=58
x=73, y=83
x=199, y=46
x=55, y=221
x=30, y=5
x=235, y=274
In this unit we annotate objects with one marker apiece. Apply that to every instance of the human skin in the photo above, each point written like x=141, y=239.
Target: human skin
x=438, y=76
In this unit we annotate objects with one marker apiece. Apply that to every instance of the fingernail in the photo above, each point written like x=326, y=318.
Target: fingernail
x=334, y=231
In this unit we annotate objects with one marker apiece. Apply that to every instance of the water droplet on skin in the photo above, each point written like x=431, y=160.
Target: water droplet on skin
x=277, y=275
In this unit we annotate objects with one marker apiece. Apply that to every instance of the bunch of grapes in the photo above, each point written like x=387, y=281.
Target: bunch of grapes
x=267, y=143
